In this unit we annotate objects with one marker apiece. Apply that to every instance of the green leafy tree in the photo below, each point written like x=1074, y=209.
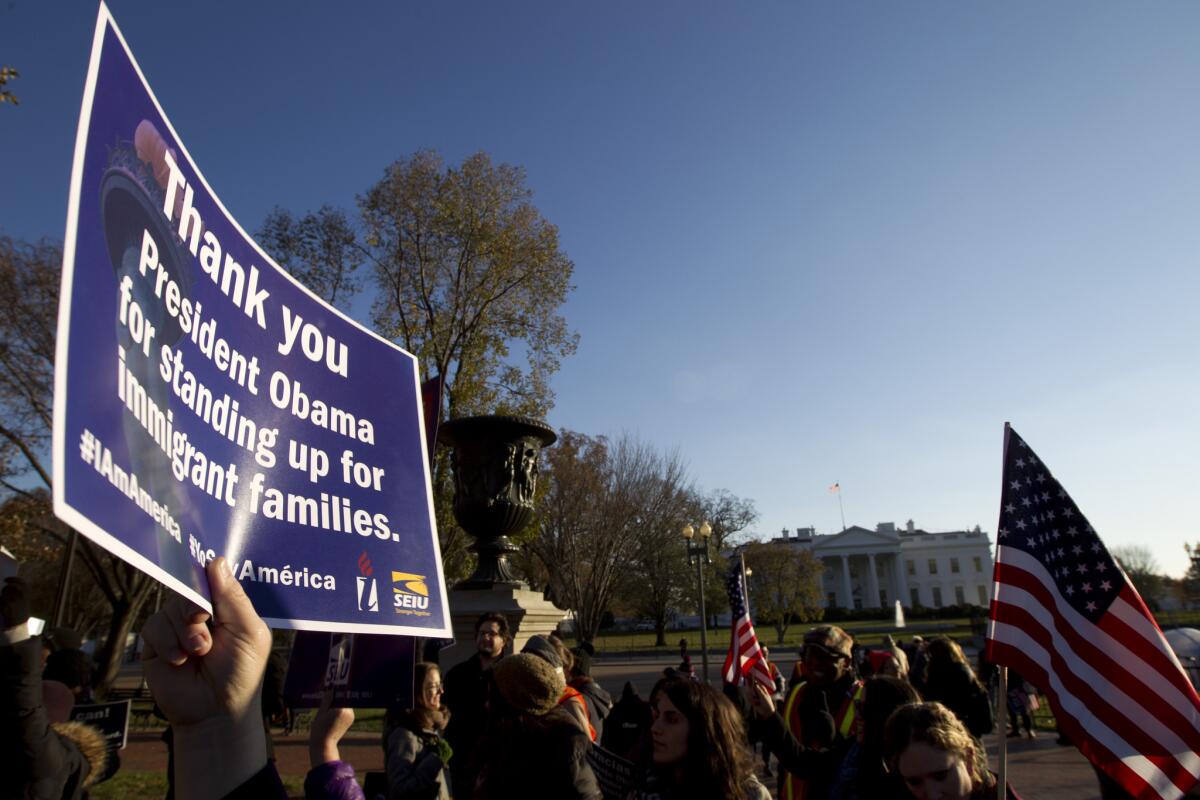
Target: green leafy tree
x=729, y=516
x=468, y=277
x=654, y=584
x=785, y=585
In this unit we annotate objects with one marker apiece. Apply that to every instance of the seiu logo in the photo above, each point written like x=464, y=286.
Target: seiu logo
x=409, y=601
x=409, y=592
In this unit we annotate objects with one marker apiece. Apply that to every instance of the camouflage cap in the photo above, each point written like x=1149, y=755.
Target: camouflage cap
x=830, y=638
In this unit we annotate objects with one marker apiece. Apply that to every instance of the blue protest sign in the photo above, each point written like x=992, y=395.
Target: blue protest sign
x=207, y=404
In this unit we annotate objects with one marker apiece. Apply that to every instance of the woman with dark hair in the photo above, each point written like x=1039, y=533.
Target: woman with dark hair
x=935, y=757
x=949, y=680
x=699, y=747
x=415, y=754
x=862, y=774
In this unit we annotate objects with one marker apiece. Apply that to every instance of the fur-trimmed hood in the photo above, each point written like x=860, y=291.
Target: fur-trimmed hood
x=91, y=744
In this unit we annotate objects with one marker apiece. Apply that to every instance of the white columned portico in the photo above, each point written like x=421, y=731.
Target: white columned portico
x=872, y=583
x=847, y=589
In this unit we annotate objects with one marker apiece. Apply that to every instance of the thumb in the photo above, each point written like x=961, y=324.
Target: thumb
x=231, y=607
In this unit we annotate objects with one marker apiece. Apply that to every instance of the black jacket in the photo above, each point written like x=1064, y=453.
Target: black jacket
x=957, y=689
x=466, y=694
x=627, y=724
x=42, y=761
x=526, y=757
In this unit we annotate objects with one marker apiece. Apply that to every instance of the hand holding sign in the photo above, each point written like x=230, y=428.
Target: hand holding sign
x=207, y=682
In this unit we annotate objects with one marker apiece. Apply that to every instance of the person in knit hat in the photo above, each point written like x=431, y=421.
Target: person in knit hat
x=533, y=746
x=555, y=653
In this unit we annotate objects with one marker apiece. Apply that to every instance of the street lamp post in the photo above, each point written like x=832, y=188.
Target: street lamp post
x=697, y=553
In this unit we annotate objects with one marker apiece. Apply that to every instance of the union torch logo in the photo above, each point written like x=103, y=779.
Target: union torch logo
x=367, y=590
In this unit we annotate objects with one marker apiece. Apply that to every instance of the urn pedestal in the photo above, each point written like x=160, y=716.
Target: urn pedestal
x=495, y=463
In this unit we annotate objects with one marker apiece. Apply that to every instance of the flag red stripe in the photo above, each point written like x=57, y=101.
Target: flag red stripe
x=1115, y=645
x=1162, y=772
x=745, y=658
x=1134, y=625
x=1145, y=734
x=1090, y=656
x=1088, y=744
x=1109, y=654
x=1097, y=753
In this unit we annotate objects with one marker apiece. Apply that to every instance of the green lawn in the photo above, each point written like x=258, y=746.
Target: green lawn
x=867, y=632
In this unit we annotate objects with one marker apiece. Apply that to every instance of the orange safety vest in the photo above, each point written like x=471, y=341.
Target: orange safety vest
x=572, y=694
x=797, y=788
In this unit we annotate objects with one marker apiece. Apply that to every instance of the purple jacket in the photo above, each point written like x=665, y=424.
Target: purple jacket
x=333, y=780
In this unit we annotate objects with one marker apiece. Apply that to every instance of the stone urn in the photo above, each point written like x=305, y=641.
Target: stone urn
x=495, y=463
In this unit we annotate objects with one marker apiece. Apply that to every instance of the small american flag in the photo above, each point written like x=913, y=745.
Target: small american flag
x=745, y=658
x=1065, y=616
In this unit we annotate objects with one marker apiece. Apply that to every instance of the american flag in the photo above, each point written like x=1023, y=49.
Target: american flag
x=745, y=658
x=1065, y=616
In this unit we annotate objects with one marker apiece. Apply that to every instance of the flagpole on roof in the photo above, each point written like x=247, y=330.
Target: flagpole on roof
x=837, y=489
x=745, y=584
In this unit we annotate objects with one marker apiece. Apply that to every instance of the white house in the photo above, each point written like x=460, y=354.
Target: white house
x=872, y=569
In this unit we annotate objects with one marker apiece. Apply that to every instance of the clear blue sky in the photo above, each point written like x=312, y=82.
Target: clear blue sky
x=814, y=242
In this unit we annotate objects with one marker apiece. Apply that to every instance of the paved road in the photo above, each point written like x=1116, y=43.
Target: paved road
x=1043, y=770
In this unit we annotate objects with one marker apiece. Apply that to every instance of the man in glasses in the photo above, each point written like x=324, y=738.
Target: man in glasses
x=819, y=714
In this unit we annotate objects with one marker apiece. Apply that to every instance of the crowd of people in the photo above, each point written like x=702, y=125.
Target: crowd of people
x=525, y=724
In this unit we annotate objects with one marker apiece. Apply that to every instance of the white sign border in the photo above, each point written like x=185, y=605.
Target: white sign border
x=75, y=518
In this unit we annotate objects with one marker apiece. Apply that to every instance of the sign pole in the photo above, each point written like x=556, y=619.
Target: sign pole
x=64, y=580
